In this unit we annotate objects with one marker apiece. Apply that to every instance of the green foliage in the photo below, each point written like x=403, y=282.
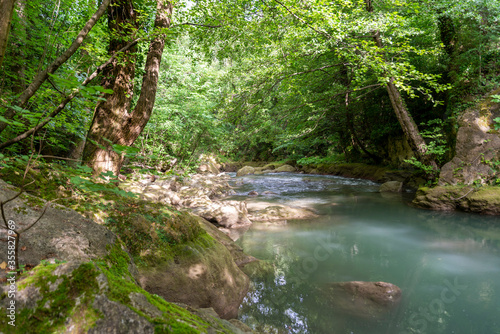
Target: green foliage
x=497, y=123
x=184, y=124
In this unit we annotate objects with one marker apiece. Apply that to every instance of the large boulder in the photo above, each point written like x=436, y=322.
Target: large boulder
x=100, y=297
x=201, y=274
x=477, y=147
x=362, y=299
x=245, y=171
x=285, y=168
x=391, y=186
x=485, y=200
x=61, y=233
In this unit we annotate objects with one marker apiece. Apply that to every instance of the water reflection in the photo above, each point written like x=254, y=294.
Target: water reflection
x=447, y=264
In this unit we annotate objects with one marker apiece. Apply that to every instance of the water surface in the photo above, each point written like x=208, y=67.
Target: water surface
x=446, y=264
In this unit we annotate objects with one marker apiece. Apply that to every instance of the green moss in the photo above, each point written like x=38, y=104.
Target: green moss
x=58, y=300
x=174, y=319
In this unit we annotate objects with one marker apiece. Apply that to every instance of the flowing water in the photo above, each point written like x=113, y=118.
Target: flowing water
x=446, y=264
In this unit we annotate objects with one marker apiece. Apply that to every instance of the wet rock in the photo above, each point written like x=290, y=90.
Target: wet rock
x=285, y=168
x=392, y=187
x=362, y=299
x=245, y=171
x=484, y=200
x=263, y=211
x=267, y=192
x=253, y=193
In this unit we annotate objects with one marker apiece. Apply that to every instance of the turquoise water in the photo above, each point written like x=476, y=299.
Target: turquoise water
x=446, y=264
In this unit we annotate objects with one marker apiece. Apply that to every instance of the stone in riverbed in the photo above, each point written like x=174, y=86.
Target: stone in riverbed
x=263, y=211
x=362, y=299
x=245, y=171
x=285, y=168
x=392, y=187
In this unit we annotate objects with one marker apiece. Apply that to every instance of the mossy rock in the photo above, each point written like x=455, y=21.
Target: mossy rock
x=484, y=200
x=97, y=297
x=245, y=171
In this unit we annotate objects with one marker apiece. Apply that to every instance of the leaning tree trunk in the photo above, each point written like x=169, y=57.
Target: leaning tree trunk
x=6, y=10
x=114, y=122
x=410, y=128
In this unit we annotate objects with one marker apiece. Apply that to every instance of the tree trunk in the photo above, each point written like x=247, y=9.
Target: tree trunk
x=114, y=122
x=410, y=128
x=44, y=75
x=6, y=10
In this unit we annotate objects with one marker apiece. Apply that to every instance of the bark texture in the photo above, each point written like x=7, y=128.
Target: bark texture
x=6, y=10
x=114, y=122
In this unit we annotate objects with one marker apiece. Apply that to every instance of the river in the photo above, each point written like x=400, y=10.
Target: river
x=446, y=264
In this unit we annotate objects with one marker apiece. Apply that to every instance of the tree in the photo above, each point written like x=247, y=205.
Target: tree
x=43, y=75
x=6, y=11
x=115, y=122
x=410, y=128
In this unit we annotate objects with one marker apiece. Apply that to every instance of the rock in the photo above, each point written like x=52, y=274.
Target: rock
x=245, y=171
x=267, y=192
x=391, y=186
x=225, y=213
x=285, y=168
x=263, y=211
x=99, y=301
x=61, y=233
x=239, y=257
x=202, y=274
x=253, y=193
x=477, y=147
x=362, y=299
x=484, y=200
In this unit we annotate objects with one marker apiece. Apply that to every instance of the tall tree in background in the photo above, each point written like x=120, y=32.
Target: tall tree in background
x=410, y=128
x=6, y=10
x=115, y=122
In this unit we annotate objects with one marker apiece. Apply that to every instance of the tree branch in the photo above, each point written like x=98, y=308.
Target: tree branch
x=63, y=104
x=324, y=33
x=42, y=76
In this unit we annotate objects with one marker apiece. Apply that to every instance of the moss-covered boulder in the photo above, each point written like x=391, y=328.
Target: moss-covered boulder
x=245, y=171
x=392, y=187
x=285, y=168
x=477, y=149
x=202, y=273
x=61, y=233
x=98, y=297
x=484, y=200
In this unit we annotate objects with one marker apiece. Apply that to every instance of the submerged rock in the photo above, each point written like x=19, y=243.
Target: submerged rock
x=264, y=211
x=362, y=299
x=391, y=186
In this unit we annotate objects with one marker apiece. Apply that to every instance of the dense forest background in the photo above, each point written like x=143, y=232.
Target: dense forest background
x=309, y=81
